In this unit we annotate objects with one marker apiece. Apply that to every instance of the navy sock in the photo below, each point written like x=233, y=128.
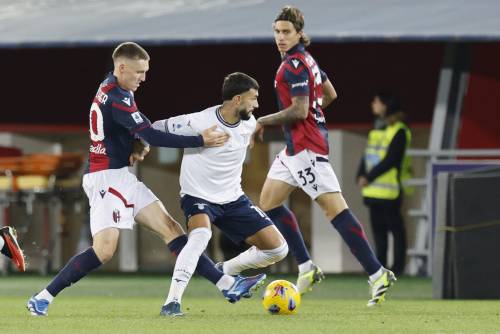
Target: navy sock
x=285, y=221
x=205, y=267
x=354, y=236
x=76, y=268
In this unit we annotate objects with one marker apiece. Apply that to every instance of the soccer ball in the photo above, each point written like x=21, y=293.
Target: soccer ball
x=281, y=297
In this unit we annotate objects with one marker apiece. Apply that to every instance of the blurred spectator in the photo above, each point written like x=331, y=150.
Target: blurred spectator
x=380, y=172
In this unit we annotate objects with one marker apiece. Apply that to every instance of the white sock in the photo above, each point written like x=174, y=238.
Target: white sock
x=186, y=262
x=2, y=242
x=378, y=273
x=254, y=258
x=306, y=266
x=44, y=294
x=225, y=282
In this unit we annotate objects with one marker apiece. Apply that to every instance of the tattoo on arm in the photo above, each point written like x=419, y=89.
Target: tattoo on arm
x=295, y=112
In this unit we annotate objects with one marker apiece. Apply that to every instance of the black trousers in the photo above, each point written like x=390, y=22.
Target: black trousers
x=385, y=218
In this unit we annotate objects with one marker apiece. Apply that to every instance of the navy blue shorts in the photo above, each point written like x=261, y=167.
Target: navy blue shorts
x=238, y=220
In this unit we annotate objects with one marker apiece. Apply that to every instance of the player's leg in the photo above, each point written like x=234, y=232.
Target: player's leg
x=268, y=247
x=199, y=234
x=190, y=257
x=10, y=248
x=348, y=226
x=151, y=213
x=243, y=221
x=102, y=250
x=277, y=188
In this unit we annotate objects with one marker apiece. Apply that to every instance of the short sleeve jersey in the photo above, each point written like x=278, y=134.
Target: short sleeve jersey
x=300, y=75
x=113, y=121
x=213, y=174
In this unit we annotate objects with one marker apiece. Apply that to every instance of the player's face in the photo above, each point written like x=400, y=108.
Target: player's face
x=285, y=35
x=378, y=108
x=132, y=73
x=248, y=102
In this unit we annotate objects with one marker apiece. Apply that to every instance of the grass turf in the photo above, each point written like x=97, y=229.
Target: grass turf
x=130, y=304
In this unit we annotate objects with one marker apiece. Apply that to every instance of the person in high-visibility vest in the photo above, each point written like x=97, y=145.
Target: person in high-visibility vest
x=383, y=167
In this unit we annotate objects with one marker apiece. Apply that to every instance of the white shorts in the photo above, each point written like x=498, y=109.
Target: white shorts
x=310, y=171
x=115, y=198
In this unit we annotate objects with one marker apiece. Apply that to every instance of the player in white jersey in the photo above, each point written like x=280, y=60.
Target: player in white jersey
x=211, y=188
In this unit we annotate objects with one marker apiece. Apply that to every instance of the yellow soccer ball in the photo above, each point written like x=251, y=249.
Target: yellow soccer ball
x=281, y=297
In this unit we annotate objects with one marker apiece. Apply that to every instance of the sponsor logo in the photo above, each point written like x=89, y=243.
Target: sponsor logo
x=295, y=63
x=315, y=187
x=137, y=117
x=116, y=216
x=319, y=119
x=98, y=149
x=300, y=84
x=126, y=100
x=102, y=193
x=201, y=206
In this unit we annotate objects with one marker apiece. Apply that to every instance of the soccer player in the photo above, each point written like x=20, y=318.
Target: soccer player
x=211, y=191
x=117, y=199
x=303, y=90
x=10, y=248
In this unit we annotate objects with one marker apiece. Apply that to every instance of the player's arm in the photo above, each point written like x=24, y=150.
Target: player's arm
x=183, y=125
x=297, y=77
x=297, y=111
x=329, y=94
x=139, y=125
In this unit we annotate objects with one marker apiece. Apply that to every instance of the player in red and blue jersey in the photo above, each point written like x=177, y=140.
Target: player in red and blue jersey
x=303, y=90
x=117, y=199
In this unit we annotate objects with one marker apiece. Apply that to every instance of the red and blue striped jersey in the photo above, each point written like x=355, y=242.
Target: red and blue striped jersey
x=299, y=75
x=113, y=121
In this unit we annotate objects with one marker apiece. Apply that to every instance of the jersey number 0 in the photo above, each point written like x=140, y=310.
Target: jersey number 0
x=96, y=123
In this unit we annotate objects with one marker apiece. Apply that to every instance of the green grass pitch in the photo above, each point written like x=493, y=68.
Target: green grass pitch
x=131, y=304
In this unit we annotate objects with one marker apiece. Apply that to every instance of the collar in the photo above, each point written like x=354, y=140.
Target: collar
x=297, y=48
x=223, y=121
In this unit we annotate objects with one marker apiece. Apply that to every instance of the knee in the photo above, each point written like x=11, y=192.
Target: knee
x=277, y=254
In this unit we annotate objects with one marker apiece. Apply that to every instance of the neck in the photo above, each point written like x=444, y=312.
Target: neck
x=228, y=112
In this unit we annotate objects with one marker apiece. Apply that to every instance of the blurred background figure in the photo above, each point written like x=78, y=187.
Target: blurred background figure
x=382, y=168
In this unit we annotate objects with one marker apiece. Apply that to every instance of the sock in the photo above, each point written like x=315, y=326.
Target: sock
x=354, y=236
x=306, y=266
x=186, y=263
x=76, y=268
x=225, y=282
x=44, y=294
x=286, y=222
x=254, y=258
x=376, y=275
x=205, y=268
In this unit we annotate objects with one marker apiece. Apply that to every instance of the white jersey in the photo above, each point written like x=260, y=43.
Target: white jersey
x=213, y=174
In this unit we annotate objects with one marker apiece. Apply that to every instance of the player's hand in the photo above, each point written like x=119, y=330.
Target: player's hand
x=139, y=151
x=258, y=132
x=213, y=138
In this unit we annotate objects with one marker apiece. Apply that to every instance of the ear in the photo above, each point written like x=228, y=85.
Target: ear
x=236, y=99
x=121, y=67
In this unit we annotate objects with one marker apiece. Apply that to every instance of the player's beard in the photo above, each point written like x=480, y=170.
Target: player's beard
x=245, y=115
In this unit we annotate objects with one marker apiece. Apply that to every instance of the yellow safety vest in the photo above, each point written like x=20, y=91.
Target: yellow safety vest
x=387, y=185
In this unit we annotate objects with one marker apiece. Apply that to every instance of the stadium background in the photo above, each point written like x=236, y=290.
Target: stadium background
x=56, y=52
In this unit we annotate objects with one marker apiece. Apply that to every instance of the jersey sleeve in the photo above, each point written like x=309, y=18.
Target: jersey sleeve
x=297, y=77
x=124, y=111
x=324, y=77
